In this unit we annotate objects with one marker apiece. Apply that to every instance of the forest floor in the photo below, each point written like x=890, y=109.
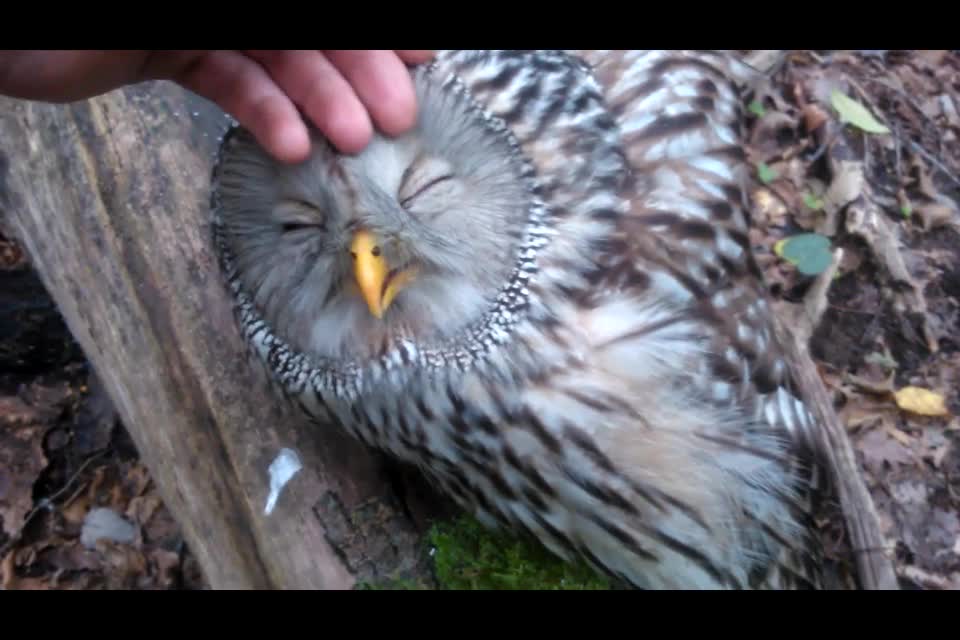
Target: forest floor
x=882, y=182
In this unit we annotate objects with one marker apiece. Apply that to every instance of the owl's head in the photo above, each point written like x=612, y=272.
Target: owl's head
x=415, y=248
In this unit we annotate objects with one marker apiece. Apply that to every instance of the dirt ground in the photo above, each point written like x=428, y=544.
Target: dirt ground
x=79, y=511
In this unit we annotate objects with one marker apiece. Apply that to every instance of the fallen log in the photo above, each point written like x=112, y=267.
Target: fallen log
x=109, y=198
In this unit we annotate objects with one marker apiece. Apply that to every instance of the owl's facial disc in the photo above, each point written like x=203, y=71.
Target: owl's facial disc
x=422, y=243
x=378, y=280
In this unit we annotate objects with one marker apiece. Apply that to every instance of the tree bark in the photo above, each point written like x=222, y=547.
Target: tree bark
x=109, y=197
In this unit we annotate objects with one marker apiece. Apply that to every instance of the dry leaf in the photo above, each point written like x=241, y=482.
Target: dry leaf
x=769, y=208
x=931, y=108
x=900, y=436
x=878, y=448
x=921, y=401
x=813, y=117
x=22, y=429
x=938, y=214
x=939, y=454
x=847, y=185
x=933, y=57
x=949, y=110
x=8, y=571
x=928, y=580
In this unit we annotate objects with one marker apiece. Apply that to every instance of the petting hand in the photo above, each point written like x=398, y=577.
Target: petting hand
x=344, y=93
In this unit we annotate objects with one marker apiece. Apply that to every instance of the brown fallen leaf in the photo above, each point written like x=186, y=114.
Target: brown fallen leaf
x=863, y=411
x=22, y=557
x=11, y=255
x=932, y=57
x=949, y=109
x=931, y=107
x=75, y=508
x=167, y=567
x=142, y=508
x=900, y=436
x=22, y=429
x=921, y=401
x=939, y=454
x=8, y=571
x=879, y=449
x=126, y=567
x=939, y=213
x=70, y=555
x=813, y=117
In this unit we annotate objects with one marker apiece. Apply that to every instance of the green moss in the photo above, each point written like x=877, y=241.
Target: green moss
x=399, y=584
x=468, y=556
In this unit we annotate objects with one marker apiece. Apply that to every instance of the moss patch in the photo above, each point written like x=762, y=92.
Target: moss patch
x=468, y=556
x=392, y=585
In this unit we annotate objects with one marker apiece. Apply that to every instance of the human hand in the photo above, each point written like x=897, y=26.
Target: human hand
x=344, y=93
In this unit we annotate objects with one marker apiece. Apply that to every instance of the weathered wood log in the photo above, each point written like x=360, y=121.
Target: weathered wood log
x=109, y=198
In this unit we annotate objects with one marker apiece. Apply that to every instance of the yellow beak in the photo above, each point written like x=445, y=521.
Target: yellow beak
x=379, y=284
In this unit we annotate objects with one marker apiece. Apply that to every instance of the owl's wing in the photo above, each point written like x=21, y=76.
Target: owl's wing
x=680, y=115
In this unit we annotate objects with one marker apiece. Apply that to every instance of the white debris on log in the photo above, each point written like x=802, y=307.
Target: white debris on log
x=282, y=469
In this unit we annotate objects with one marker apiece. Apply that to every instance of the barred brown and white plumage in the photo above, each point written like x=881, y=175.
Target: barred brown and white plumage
x=545, y=298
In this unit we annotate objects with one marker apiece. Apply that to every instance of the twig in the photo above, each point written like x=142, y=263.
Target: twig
x=829, y=139
x=872, y=551
x=908, y=99
x=931, y=158
x=896, y=149
x=814, y=304
x=46, y=502
x=914, y=145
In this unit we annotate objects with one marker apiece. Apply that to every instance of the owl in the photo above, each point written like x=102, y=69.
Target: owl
x=543, y=296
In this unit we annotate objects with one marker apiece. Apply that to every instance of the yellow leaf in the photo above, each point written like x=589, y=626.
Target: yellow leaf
x=855, y=113
x=921, y=401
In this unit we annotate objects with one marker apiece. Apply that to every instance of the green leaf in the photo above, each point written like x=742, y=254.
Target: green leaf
x=756, y=107
x=906, y=210
x=855, y=113
x=811, y=201
x=766, y=173
x=809, y=252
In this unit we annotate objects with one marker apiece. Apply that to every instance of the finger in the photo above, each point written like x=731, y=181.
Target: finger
x=324, y=95
x=415, y=57
x=383, y=84
x=244, y=89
